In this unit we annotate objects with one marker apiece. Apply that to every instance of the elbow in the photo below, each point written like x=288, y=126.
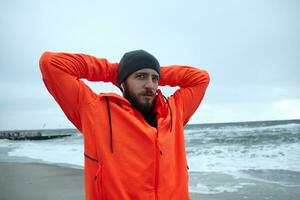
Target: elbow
x=205, y=76
x=44, y=60
x=45, y=63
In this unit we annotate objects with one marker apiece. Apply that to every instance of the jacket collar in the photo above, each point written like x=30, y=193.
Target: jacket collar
x=160, y=105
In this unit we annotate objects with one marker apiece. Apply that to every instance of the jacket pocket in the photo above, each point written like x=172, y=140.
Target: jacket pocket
x=93, y=177
x=98, y=181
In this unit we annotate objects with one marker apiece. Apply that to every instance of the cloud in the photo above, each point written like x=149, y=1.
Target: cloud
x=288, y=108
x=250, y=48
x=252, y=111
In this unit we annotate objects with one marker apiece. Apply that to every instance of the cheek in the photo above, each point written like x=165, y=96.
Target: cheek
x=155, y=87
x=137, y=86
x=132, y=89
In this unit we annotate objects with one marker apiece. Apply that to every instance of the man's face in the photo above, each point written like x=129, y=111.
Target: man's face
x=140, y=89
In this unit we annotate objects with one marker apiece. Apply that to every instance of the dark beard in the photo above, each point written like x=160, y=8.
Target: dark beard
x=144, y=108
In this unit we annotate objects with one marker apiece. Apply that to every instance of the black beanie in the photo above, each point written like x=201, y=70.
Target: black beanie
x=133, y=61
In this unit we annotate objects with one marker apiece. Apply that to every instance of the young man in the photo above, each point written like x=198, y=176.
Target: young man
x=133, y=145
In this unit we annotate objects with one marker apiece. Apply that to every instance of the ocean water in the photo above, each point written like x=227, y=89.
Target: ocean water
x=247, y=152
x=229, y=157
x=244, y=146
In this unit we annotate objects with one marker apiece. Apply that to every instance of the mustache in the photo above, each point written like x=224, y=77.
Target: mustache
x=148, y=93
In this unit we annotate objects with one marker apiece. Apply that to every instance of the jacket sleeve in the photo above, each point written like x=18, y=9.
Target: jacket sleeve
x=61, y=74
x=192, y=82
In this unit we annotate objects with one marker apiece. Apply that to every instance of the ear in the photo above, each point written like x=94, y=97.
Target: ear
x=122, y=87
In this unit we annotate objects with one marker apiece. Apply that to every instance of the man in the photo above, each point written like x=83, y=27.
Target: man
x=133, y=145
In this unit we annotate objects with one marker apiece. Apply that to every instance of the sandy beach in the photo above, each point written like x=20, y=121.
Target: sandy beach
x=28, y=179
x=36, y=181
x=249, y=161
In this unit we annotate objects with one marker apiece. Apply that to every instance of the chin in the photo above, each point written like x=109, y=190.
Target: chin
x=150, y=102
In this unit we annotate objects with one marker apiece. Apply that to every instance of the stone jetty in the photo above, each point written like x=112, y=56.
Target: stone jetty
x=36, y=134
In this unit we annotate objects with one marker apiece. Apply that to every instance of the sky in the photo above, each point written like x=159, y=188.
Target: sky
x=251, y=50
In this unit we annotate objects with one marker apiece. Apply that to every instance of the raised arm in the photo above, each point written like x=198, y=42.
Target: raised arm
x=192, y=82
x=62, y=73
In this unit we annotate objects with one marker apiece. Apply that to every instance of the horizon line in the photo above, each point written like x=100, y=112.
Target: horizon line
x=193, y=124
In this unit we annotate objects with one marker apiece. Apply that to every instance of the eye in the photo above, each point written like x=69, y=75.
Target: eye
x=155, y=78
x=141, y=76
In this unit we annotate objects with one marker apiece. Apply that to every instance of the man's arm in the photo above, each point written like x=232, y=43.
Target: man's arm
x=192, y=82
x=62, y=73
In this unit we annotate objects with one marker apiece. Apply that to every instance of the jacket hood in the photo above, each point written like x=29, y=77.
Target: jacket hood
x=161, y=108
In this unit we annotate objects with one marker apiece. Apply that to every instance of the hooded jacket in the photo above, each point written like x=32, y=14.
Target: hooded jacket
x=125, y=157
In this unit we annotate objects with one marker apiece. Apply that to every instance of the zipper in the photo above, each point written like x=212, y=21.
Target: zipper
x=98, y=179
x=157, y=153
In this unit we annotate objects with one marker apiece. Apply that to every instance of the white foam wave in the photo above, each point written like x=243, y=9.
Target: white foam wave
x=58, y=151
x=236, y=158
x=205, y=189
x=201, y=159
x=241, y=129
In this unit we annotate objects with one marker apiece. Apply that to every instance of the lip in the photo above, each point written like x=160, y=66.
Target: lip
x=148, y=96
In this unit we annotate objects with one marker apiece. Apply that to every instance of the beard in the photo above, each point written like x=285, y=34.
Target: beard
x=143, y=107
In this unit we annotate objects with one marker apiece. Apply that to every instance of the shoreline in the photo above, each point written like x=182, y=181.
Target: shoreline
x=35, y=181
x=24, y=178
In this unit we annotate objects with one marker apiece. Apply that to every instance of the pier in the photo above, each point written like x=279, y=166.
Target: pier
x=36, y=134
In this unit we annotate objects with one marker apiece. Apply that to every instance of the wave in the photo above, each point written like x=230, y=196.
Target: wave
x=246, y=140
x=236, y=158
x=211, y=148
x=242, y=129
x=244, y=135
x=57, y=151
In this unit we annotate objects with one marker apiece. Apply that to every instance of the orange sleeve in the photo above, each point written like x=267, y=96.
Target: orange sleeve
x=62, y=73
x=193, y=83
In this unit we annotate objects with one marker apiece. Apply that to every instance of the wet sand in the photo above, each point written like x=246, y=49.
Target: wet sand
x=27, y=179
x=36, y=181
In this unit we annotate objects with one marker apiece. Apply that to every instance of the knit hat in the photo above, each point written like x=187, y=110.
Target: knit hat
x=133, y=61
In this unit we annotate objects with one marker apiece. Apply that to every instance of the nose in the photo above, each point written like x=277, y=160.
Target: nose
x=149, y=84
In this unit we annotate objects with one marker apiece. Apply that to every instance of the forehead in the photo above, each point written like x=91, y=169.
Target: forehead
x=147, y=71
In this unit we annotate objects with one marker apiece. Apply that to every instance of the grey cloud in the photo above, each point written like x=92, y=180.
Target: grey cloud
x=250, y=48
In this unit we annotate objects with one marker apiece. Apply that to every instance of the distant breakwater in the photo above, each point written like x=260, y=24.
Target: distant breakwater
x=36, y=134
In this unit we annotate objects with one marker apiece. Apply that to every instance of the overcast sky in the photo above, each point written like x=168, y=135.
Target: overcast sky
x=250, y=48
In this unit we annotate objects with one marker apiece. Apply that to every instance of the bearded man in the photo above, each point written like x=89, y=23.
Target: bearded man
x=133, y=144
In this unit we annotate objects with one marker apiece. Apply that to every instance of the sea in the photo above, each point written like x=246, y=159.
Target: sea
x=222, y=157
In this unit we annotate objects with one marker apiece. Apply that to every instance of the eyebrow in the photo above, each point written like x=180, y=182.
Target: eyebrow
x=146, y=73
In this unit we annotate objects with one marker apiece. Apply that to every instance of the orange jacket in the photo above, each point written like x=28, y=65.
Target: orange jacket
x=125, y=158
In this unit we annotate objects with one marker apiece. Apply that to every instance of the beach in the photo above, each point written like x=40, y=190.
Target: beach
x=252, y=161
x=36, y=181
